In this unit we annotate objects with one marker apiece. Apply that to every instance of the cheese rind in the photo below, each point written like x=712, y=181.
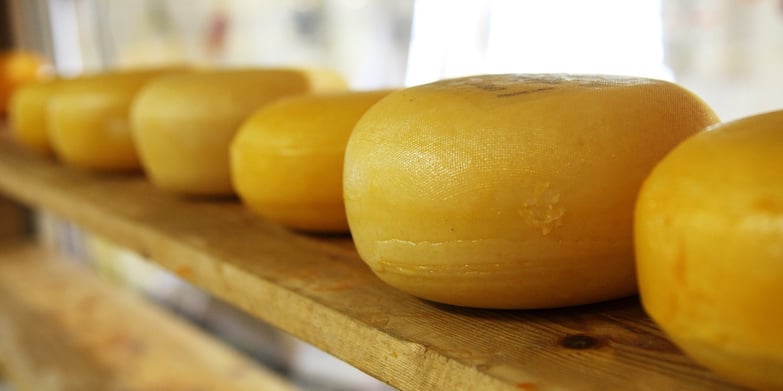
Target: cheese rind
x=287, y=158
x=510, y=191
x=87, y=120
x=17, y=68
x=709, y=244
x=183, y=124
x=28, y=113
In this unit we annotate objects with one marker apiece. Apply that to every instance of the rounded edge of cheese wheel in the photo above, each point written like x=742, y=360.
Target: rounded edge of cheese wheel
x=287, y=158
x=709, y=244
x=27, y=113
x=88, y=119
x=183, y=124
x=510, y=191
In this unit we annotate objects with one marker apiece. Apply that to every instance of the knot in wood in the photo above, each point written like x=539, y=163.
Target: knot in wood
x=580, y=342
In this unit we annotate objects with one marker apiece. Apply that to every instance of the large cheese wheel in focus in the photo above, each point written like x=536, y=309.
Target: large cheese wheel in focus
x=709, y=243
x=88, y=120
x=287, y=159
x=184, y=124
x=510, y=191
x=27, y=115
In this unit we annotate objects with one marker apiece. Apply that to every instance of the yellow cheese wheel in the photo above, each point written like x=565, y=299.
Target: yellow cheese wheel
x=510, y=191
x=27, y=115
x=184, y=124
x=287, y=159
x=88, y=120
x=709, y=244
x=17, y=68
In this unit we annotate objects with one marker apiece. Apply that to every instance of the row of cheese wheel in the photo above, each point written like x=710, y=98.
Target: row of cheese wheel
x=179, y=125
x=497, y=191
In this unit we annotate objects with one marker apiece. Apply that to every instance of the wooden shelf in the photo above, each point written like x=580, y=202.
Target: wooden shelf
x=62, y=328
x=316, y=288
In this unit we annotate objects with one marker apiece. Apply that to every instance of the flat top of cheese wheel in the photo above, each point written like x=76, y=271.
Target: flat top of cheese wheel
x=230, y=93
x=111, y=85
x=207, y=80
x=508, y=85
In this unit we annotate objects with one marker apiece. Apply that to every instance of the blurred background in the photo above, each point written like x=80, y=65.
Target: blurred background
x=729, y=52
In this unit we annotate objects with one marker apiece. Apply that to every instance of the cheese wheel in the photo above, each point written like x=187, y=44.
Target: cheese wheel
x=184, y=124
x=17, y=68
x=27, y=115
x=88, y=124
x=287, y=159
x=709, y=245
x=510, y=191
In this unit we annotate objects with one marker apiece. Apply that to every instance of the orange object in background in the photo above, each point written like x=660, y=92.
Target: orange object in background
x=17, y=68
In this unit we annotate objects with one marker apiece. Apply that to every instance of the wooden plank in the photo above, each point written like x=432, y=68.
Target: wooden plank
x=317, y=288
x=61, y=328
x=15, y=219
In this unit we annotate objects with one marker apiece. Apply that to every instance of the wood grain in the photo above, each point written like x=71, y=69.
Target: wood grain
x=61, y=328
x=317, y=288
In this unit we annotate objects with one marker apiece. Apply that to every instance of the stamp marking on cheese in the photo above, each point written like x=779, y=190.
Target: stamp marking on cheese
x=510, y=85
x=523, y=92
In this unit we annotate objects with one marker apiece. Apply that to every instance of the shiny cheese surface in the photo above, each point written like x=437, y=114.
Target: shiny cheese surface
x=709, y=239
x=287, y=159
x=88, y=120
x=510, y=191
x=27, y=115
x=184, y=124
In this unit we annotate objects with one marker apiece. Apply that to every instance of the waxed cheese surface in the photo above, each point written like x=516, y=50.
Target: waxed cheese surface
x=287, y=159
x=524, y=183
x=709, y=245
x=184, y=124
x=88, y=119
x=27, y=115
